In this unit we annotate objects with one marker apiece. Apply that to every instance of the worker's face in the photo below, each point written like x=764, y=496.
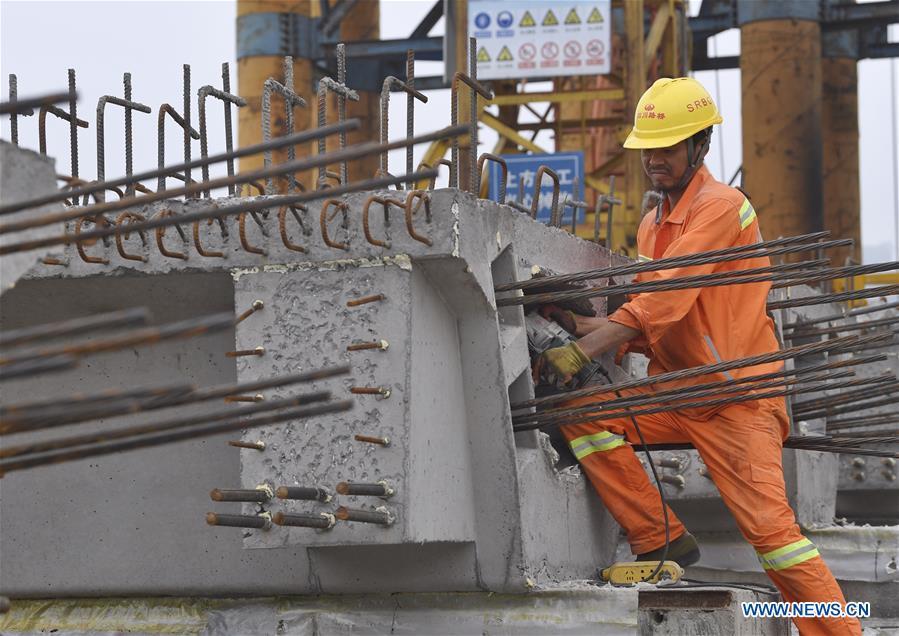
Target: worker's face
x=665, y=166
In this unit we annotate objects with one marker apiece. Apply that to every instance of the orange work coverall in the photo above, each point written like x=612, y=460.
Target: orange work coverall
x=740, y=443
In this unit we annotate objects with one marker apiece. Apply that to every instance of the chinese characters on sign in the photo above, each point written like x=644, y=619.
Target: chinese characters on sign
x=567, y=165
x=522, y=38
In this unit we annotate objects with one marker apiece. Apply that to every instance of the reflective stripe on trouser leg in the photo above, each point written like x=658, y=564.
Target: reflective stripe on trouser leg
x=789, y=555
x=595, y=443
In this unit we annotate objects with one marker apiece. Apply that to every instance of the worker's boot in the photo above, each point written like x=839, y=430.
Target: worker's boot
x=684, y=551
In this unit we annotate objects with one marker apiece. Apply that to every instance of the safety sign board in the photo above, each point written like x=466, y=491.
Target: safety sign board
x=522, y=38
x=523, y=171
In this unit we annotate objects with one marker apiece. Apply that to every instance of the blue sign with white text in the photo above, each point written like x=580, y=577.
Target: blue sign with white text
x=523, y=170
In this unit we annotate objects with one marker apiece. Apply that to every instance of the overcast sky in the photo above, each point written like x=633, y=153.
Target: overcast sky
x=39, y=41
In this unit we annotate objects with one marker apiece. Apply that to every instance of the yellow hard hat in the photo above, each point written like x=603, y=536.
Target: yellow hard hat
x=670, y=111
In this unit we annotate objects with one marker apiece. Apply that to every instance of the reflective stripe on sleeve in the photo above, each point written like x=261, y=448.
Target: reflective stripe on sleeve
x=595, y=443
x=789, y=555
x=642, y=259
x=747, y=214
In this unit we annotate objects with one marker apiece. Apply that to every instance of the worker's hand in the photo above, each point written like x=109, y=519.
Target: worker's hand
x=561, y=362
x=564, y=317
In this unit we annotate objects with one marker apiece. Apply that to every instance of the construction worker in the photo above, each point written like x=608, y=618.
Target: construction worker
x=740, y=443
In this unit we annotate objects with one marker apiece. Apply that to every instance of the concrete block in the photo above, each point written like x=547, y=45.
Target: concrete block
x=686, y=612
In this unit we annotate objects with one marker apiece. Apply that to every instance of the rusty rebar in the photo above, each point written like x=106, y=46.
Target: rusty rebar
x=260, y=521
x=139, y=337
x=354, y=152
x=477, y=88
x=22, y=106
x=504, y=172
x=236, y=443
x=256, y=306
x=14, y=113
x=168, y=437
x=365, y=300
x=371, y=439
x=227, y=99
x=37, y=367
x=31, y=416
x=381, y=345
x=189, y=132
x=321, y=520
x=389, y=83
x=76, y=327
x=379, y=489
x=128, y=105
x=303, y=493
x=291, y=101
x=343, y=92
x=377, y=517
x=259, y=495
x=385, y=202
x=415, y=199
x=278, y=142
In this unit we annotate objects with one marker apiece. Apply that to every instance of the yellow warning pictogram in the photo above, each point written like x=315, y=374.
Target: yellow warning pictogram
x=483, y=55
x=527, y=20
x=595, y=17
x=572, y=17
x=505, y=55
x=550, y=19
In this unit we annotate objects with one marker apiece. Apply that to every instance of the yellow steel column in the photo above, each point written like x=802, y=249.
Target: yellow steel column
x=252, y=73
x=781, y=85
x=625, y=222
x=839, y=119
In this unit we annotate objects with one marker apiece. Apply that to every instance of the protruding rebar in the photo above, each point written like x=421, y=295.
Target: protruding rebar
x=291, y=101
x=379, y=516
x=322, y=520
x=186, y=99
x=476, y=89
x=575, y=205
x=303, y=493
x=245, y=398
x=160, y=143
x=365, y=300
x=14, y=114
x=256, y=306
x=370, y=439
x=133, y=317
x=379, y=489
x=382, y=345
x=391, y=82
x=259, y=494
x=326, y=84
x=257, y=351
x=370, y=390
x=261, y=521
x=73, y=123
x=504, y=168
x=236, y=443
x=228, y=99
x=128, y=105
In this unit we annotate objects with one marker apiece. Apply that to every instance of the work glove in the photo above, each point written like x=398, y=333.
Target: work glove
x=562, y=362
x=565, y=317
